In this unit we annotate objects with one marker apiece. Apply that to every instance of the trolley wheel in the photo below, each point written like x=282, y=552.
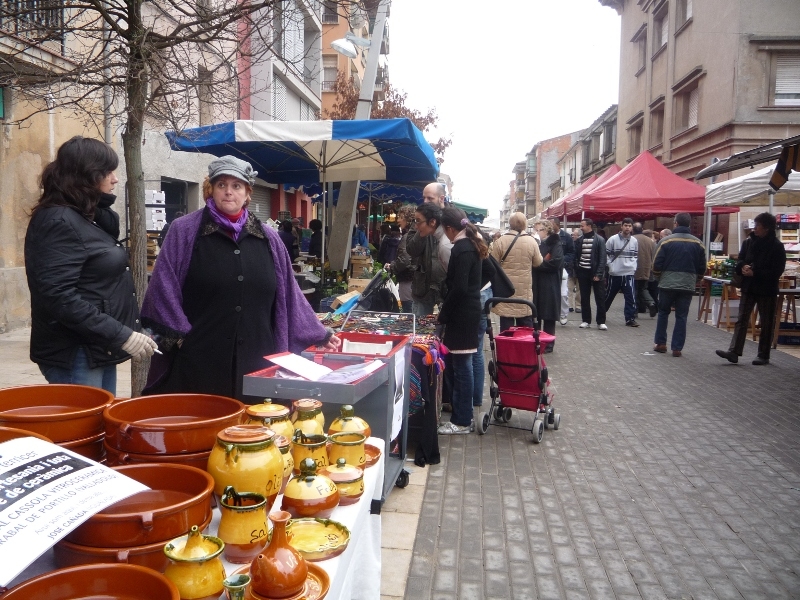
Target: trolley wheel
x=538, y=431
x=498, y=413
x=492, y=369
x=556, y=421
x=402, y=479
x=506, y=414
x=494, y=392
x=483, y=422
x=545, y=419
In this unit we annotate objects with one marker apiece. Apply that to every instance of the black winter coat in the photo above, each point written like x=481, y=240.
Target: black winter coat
x=767, y=257
x=82, y=291
x=461, y=308
x=547, y=279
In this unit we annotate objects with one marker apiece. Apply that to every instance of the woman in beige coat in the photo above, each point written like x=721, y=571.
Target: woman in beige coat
x=518, y=265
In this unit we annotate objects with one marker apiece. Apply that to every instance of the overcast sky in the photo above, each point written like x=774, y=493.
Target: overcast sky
x=502, y=76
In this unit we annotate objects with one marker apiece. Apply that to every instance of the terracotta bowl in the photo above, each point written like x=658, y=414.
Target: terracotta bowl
x=60, y=412
x=151, y=556
x=11, y=433
x=90, y=447
x=130, y=582
x=178, y=498
x=170, y=423
x=116, y=458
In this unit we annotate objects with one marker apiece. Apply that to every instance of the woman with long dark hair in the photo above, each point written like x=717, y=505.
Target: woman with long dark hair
x=460, y=313
x=84, y=314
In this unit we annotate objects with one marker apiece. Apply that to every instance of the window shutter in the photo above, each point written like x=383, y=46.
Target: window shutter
x=259, y=203
x=694, y=101
x=787, y=80
x=278, y=100
x=688, y=9
x=664, y=30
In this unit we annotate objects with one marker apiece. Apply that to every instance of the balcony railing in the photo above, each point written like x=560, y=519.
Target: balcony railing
x=328, y=86
x=37, y=19
x=330, y=17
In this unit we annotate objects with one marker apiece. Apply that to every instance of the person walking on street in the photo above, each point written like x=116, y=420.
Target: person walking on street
x=590, y=266
x=761, y=262
x=573, y=286
x=622, y=251
x=518, y=253
x=644, y=269
x=679, y=263
x=569, y=256
x=547, y=279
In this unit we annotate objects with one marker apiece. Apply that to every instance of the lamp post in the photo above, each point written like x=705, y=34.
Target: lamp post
x=344, y=216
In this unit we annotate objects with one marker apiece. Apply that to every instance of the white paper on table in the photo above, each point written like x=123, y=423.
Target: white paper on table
x=307, y=369
x=45, y=492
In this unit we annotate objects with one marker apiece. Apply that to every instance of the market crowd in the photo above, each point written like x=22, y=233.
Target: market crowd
x=223, y=294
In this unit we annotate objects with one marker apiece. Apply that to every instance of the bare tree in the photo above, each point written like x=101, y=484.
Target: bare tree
x=172, y=63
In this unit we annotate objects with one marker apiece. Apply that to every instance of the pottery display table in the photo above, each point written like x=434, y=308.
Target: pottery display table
x=356, y=573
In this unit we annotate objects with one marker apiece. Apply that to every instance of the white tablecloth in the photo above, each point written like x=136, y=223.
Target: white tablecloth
x=355, y=574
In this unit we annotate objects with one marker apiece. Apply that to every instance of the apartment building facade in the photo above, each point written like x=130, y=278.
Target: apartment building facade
x=706, y=78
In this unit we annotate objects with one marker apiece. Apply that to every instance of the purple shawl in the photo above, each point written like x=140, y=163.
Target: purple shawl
x=163, y=302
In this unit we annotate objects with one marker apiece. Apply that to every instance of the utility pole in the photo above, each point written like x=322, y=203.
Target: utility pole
x=344, y=216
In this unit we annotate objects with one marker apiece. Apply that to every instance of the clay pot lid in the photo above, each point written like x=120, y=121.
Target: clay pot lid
x=342, y=472
x=268, y=410
x=283, y=443
x=245, y=434
x=306, y=404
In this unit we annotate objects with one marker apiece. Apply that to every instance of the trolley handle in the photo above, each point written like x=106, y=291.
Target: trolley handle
x=487, y=308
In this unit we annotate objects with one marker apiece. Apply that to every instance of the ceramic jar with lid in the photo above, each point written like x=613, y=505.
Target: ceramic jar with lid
x=349, y=446
x=195, y=567
x=273, y=416
x=245, y=457
x=285, y=446
x=349, y=480
x=310, y=494
x=309, y=446
x=348, y=421
x=308, y=417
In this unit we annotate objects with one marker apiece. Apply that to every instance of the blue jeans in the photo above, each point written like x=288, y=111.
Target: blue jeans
x=478, y=373
x=628, y=287
x=463, y=386
x=667, y=298
x=82, y=374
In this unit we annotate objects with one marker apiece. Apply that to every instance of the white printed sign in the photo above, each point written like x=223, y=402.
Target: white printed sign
x=715, y=246
x=45, y=492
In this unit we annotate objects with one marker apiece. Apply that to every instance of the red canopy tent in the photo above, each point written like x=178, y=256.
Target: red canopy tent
x=556, y=209
x=575, y=201
x=644, y=188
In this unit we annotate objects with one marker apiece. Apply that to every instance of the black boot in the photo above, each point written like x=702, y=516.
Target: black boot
x=729, y=356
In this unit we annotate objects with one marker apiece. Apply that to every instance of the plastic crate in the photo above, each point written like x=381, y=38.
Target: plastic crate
x=325, y=304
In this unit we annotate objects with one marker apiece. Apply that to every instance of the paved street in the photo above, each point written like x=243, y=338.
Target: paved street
x=669, y=478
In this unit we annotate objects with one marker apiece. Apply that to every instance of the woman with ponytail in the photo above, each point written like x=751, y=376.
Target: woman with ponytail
x=461, y=312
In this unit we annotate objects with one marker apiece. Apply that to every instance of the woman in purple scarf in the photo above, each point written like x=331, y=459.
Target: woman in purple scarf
x=222, y=293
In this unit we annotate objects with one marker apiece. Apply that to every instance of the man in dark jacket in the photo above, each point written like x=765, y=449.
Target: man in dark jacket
x=569, y=257
x=644, y=269
x=679, y=263
x=761, y=262
x=590, y=266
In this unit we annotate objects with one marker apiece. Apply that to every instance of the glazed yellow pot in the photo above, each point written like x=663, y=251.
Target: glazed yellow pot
x=348, y=479
x=349, y=446
x=309, y=446
x=195, y=567
x=308, y=417
x=242, y=525
x=310, y=494
x=285, y=446
x=245, y=457
x=273, y=416
x=347, y=421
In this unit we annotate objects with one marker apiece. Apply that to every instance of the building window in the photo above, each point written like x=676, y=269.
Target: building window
x=329, y=73
x=609, y=138
x=787, y=79
x=635, y=133
x=686, y=107
x=595, y=148
x=329, y=11
x=640, y=39
x=307, y=112
x=683, y=12
x=657, y=126
x=205, y=106
x=660, y=30
x=278, y=100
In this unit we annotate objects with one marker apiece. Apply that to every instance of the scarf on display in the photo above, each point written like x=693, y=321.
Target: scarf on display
x=233, y=228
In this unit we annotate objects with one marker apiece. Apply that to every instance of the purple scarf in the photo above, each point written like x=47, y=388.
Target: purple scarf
x=233, y=227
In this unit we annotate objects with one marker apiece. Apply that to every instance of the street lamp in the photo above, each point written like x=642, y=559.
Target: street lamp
x=347, y=45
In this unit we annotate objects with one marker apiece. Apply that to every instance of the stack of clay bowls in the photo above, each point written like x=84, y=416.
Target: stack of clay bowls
x=69, y=415
x=134, y=530
x=168, y=428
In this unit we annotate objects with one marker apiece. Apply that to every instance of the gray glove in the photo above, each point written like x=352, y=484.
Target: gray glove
x=139, y=345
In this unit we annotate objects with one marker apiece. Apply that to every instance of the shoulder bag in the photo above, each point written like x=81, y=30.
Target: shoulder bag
x=501, y=284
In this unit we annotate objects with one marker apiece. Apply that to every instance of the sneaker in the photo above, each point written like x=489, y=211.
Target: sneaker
x=729, y=356
x=563, y=320
x=653, y=310
x=584, y=325
x=662, y=348
x=602, y=327
x=571, y=310
x=631, y=323
x=452, y=429
x=760, y=361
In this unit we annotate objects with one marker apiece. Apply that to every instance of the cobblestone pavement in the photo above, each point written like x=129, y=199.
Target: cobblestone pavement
x=668, y=478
